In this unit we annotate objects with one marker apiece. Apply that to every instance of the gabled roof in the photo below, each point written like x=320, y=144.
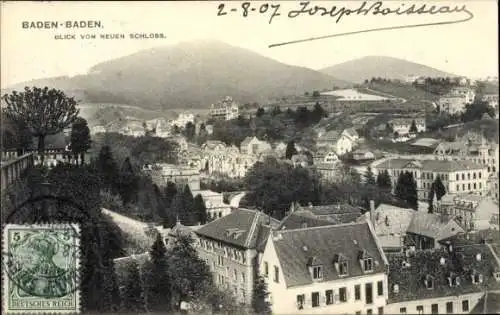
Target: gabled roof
x=294, y=249
x=246, y=141
x=241, y=228
x=432, y=225
x=398, y=219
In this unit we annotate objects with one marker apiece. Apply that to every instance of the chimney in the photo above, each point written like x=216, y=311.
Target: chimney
x=372, y=213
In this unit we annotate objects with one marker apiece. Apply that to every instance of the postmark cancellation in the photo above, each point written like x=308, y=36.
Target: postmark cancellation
x=40, y=269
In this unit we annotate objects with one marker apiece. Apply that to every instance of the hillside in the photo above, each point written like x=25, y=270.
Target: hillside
x=368, y=67
x=190, y=75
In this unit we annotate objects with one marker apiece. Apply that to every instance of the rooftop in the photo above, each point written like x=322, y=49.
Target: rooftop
x=432, y=225
x=391, y=220
x=410, y=273
x=430, y=165
x=242, y=228
x=326, y=245
x=300, y=220
x=336, y=213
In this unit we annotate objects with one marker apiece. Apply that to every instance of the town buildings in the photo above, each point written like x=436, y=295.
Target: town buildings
x=227, y=109
x=457, y=176
x=231, y=246
x=219, y=159
x=454, y=102
x=179, y=175
x=254, y=146
x=214, y=203
x=471, y=211
x=332, y=269
x=403, y=125
x=430, y=230
x=335, y=141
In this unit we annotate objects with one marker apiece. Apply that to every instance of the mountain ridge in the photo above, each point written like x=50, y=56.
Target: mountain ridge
x=190, y=75
x=364, y=68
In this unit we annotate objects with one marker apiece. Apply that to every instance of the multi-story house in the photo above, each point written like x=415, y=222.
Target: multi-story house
x=336, y=141
x=227, y=109
x=231, y=246
x=454, y=102
x=403, y=125
x=445, y=281
x=181, y=176
x=473, y=147
x=218, y=159
x=214, y=203
x=472, y=211
x=331, y=269
x=457, y=176
x=254, y=146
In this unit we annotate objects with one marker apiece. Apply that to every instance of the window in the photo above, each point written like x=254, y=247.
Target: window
x=358, y=312
x=243, y=277
x=369, y=311
x=480, y=186
x=434, y=309
x=368, y=293
x=317, y=272
x=380, y=288
x=329, y=297
x=220, y=261
x=420, y=309
x=468, y=176
x=463, y=186
x=449, y=307
x=479, y=174
x=235, y=275
x=468, y=186
x=343, y=268
x=315, y=299
x=368, y=264
x=266, y=269
x=465, y=305
x=475, y=186
x=343, y=294
x=463, y=176
x=301, y=298
x=474, y=175
x=276, y=274
x=357, y=292
x=380, y=311
x=402, y=310
x=458, y=187
x=457, y=177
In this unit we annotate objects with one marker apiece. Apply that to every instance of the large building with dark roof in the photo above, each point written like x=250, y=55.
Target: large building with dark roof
x=457, y=176
x=231, y=246
x=332, y=269
x=450, y=280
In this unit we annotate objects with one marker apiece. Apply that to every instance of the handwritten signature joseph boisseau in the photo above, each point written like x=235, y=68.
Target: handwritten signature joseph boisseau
x=377, y=8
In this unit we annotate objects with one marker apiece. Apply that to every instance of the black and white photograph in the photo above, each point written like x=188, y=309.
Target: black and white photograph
x=250, y=157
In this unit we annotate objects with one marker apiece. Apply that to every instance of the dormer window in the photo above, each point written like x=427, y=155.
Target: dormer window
x=341, y=265
x=477, y=278
x=317, y=272
x=366, y=261
x=429, y=282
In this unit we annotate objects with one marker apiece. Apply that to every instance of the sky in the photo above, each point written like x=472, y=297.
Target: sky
x=469, y=48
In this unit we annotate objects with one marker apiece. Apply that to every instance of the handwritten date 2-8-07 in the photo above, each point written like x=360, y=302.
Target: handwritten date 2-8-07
x=247, y=8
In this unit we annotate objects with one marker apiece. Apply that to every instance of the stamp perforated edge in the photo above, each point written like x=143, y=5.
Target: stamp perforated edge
x=5, y=294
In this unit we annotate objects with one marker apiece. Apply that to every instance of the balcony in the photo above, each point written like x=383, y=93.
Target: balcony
x=13, y=165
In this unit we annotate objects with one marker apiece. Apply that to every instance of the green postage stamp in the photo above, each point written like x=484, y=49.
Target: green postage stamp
x=40, y=269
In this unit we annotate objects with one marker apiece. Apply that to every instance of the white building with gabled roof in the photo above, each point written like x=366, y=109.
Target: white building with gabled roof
x=332, y=269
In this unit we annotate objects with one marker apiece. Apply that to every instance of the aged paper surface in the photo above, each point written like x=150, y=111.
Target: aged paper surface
x=286, y=157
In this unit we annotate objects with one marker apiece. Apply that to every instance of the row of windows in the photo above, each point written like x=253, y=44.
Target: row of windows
x=223, y=282
x=330, y=297
x=479, y=174
x=435, y=308
x=469, y=187
x=230, y=253
x=342, y=268
x=276, y=277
